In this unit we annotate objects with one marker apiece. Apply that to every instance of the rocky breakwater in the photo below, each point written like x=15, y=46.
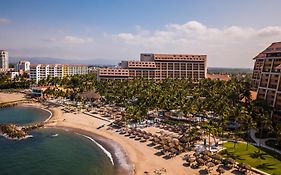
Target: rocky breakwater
x=13, y=131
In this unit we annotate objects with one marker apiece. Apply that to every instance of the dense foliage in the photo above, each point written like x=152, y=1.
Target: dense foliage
x=19, y=82
x=230, y=100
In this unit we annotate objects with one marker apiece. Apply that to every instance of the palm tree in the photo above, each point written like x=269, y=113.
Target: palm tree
x=261, y=114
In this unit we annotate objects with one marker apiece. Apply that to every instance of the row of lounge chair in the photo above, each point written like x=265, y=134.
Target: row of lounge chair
x=168, y=146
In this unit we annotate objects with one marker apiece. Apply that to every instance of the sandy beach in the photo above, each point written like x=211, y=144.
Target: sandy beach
x=130, y=156
x=141, y=156
x=7, y=97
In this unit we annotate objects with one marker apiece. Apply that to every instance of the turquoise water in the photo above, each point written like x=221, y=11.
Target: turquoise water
x=50, y=151
x=22, y=115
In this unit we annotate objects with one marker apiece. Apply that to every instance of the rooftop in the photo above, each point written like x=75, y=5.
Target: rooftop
x=273, y=48
x=59, y=65
x=225, y=77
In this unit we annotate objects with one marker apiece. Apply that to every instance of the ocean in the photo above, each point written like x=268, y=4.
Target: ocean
x=49, y=151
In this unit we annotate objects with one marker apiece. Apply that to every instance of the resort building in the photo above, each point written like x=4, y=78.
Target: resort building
x=159, y=66
x=4, y=60
x=43, y=71
x=267, y=75
x=37, y=91
x=22, y=66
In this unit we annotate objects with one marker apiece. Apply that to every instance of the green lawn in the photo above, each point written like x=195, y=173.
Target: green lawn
x=266, y=161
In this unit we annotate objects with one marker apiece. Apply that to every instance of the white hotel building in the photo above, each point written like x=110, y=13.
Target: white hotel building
x=4, y=60
x=42, y=71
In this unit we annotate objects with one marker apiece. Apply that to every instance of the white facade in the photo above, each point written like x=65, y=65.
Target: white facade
x=23, y=66
x=4, y=59
x=14, y=74
x=42, y=71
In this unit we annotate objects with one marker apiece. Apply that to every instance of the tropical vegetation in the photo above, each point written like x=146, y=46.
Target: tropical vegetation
x=264, y=160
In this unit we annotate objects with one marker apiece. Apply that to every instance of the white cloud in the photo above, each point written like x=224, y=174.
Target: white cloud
x=125, y=36
x=76, y=40
x=269, y=31
x=4, y=21
x=228, y=46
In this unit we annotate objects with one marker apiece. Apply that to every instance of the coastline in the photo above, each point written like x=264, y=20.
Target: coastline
x=140, y=158
x=122, y=164
x=38, y=106
x=129, y=155
x=120, y=160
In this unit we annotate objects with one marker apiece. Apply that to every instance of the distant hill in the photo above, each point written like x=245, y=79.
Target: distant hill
x=229, y=70
x=107, y=62
x=39, y=60
x=48, y=60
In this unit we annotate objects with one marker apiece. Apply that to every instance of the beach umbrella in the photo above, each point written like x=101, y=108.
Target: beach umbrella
x=186, y=157
x=146, y=137
x=184, y=139
x=165, y=140
x=192, y=159
x=230, y=161
x=173, y=150
x=216, y=157
x=156, y=140
x=205, y=152
x=244, y=166
x=149, y=134
x=205, y=157
x=200, y=161
x=176, y=141
x=171, y=144
x=210, y=164
x=162, y=142
x=196, y=154
x=165, y=147
x=220, y=170
x=154, y=135
x=180, y=148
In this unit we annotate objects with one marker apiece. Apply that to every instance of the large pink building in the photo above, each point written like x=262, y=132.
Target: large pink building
x=159, y=66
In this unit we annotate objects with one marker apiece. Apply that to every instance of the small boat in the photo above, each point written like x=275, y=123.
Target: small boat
x=55, y=135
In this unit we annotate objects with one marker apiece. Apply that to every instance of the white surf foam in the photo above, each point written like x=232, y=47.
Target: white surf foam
x=108, y=154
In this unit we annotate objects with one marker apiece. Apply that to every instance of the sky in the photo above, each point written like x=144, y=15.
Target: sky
x=229, y=32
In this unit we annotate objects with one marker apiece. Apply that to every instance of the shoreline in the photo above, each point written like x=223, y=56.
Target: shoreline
x=120, y=160
x=129, y=155
x=122, y=165
x=38, y=106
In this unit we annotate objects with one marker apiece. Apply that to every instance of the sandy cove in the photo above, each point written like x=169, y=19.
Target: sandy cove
x=141, y=156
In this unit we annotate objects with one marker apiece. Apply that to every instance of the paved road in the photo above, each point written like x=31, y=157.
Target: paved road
x=261, y=142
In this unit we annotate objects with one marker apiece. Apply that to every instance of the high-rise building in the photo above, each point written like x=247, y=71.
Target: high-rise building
x=159, y=66
x=267, y=77
x=23, y=66
x=4, y=59
x=42, y=71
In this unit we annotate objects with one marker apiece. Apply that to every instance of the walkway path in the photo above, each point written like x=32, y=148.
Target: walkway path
x=261, y=142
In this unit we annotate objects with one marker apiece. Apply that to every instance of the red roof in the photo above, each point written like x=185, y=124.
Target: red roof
x=225, y=77
x=253, y=96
